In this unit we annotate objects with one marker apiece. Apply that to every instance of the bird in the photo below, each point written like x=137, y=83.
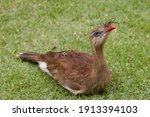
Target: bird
x=76, y=71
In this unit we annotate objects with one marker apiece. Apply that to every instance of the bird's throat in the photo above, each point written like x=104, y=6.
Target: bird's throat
x=99, y=61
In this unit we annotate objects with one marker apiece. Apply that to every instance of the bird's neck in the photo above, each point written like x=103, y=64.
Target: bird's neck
x=99, y=60
x=101, y=74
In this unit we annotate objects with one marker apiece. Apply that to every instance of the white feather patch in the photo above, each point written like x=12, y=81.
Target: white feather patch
x=43, y=67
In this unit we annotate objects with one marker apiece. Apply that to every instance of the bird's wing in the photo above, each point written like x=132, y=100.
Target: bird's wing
x=69, y=65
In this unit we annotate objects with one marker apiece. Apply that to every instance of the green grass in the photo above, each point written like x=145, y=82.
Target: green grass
x=39, y=25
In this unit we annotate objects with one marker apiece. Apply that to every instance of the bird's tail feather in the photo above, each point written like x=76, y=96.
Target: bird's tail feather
x=34, y=57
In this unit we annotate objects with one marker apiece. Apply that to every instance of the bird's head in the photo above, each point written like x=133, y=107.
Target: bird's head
x=99, y=35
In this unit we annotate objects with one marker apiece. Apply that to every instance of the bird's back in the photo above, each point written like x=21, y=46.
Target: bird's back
x=72, y=69
x=68, y=62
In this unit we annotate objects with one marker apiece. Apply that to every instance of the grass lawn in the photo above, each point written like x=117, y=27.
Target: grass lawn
x=40, y=25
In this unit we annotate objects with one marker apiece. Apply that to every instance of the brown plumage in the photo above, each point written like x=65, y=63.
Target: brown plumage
x=78, y=72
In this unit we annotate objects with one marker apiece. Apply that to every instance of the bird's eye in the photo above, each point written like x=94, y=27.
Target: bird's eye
x=96, y=34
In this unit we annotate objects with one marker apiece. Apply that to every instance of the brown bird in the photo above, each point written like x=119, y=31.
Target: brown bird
x=78, y=72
